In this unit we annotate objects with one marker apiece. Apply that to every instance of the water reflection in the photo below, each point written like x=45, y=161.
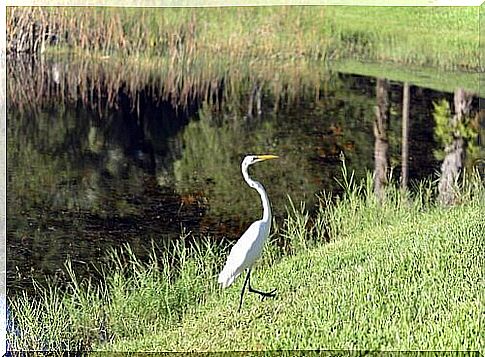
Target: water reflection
x=381, y=144
x=81, y=179
x=455, y=147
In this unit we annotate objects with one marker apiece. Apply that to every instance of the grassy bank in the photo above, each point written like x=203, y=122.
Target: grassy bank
x=442, y=37
x=396, y=287
x=404, y=274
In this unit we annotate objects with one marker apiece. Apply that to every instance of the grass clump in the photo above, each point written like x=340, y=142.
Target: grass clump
x=132, y=299
x=399, y=274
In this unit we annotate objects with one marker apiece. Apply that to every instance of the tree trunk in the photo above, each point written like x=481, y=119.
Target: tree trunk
x=259, y=95
x=256, y=94
x=381, y=146
x=454, y=152
x=405, y=132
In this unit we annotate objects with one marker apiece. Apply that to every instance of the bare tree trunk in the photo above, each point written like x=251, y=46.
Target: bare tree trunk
x=381, y=146
x=258, y=100
x=405, y=132
x=256, y=94
x=455, y=152
x=251, y=101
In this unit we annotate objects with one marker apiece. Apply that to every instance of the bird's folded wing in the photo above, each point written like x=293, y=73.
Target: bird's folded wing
x=244, y=253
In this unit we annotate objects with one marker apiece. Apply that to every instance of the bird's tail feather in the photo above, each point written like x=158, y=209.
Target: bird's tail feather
x=226, y=277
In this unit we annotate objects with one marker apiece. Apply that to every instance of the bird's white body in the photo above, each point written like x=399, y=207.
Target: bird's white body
x=245, y=252
x=249, y=247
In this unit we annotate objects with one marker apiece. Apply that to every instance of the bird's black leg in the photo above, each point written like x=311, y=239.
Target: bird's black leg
x=242, y=291
x=271, y=293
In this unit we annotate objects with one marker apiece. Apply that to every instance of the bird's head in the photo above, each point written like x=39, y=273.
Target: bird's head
x=252, y=159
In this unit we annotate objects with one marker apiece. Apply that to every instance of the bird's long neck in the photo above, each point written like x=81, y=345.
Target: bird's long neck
x=264, y=197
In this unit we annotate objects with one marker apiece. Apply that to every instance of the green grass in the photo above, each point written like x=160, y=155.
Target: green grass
x=402, y=286
x=444, y=37
x=403, y=274
x=431, y=36
x=393, y=277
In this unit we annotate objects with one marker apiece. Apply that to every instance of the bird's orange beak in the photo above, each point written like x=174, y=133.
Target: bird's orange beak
x=267, y=157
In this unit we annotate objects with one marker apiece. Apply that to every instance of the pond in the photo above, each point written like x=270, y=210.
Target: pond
x=104, y=166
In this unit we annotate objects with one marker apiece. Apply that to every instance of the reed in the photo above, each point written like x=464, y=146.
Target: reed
x=443, y=37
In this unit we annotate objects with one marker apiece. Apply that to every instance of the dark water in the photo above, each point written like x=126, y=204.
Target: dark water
x=81, y=182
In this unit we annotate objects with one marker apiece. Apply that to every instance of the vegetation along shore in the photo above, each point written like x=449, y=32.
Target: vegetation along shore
x=444, y=37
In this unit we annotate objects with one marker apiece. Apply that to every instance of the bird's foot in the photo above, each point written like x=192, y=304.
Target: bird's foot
x=263, y=294
x=271, y=294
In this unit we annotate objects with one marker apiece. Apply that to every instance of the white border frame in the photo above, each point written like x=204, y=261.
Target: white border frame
x=3, y=181
x=210, y=3
x=138, y=3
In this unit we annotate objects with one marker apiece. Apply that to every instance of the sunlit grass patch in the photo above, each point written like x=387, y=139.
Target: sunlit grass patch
x=413, y=284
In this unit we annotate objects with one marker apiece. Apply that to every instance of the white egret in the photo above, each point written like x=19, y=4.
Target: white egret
x=249, y=247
